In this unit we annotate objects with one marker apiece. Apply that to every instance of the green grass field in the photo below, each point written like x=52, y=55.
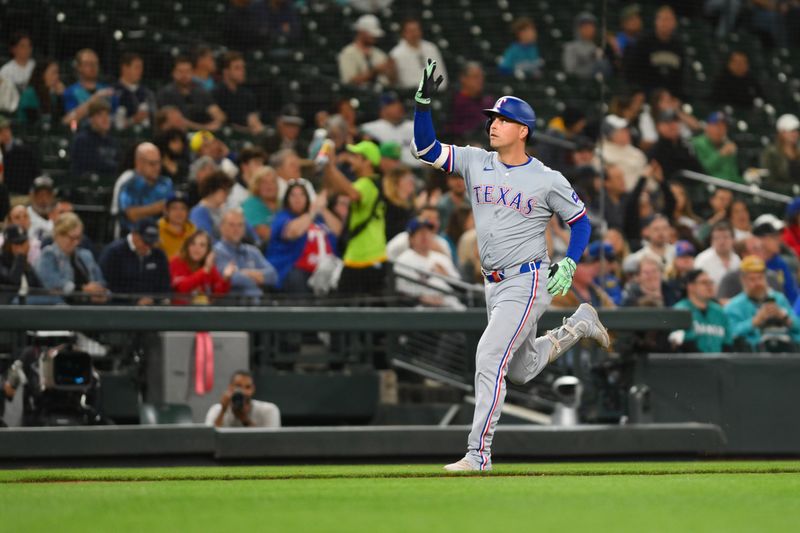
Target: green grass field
x=585, y=497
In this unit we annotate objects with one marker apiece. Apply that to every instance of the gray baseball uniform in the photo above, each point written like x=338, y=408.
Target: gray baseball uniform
x=511, y=207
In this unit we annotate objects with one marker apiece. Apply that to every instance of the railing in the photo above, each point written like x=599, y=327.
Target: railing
x=752, y=190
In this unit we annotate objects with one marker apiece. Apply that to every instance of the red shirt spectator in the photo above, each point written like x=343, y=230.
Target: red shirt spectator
x=193, y=271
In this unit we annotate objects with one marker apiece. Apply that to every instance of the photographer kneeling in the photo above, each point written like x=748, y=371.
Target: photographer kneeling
x=237, y=408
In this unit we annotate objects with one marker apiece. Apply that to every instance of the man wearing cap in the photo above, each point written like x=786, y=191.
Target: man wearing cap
x=618, y=150
x=286, y=135
x=365, y=252
x=94, y=150
x=411, y=53
x=609, y=282
x=782, y=158
x=670, y=150
x=16, y=272
x=19, y=165
x=390, y=156
x=40, y=205
x=393, y=126
x=421, y=259
x=195, y=103
x=361, y=62
x=710, y=331
x=758, y=307
x=719, y=258
x=144, y=195
x=236, y=101
x=582, y=57
x=717, y=153
x=768, y=228
x=174, y=227
x=135, y=268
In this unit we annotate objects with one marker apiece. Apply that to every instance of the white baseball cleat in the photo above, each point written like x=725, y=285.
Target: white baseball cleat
x=462, y=466
x=594, y=329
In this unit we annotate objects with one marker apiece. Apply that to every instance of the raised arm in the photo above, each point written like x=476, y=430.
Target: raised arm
x=424, y=146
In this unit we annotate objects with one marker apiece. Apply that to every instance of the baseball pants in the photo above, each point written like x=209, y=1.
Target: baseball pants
x=509, y=348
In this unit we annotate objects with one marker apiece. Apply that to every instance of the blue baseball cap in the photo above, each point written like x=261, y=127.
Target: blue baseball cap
x=417, y=224
x=684, y=249
x=595, y=248
x=147, y=230
x=716, y=117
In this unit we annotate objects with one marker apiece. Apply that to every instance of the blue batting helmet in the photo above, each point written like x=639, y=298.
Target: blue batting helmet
x=512, y=108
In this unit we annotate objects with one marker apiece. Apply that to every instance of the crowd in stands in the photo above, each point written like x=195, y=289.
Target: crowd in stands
x=328, y=205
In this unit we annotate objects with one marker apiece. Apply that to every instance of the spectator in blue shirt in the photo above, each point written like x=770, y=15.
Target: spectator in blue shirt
x=522, y=56
x=87, y=89
x=207, y=214
x=133, y=266
x=146, y=193
x=301, y=237
x=759, y=313
x=768, y=228
x=94, y=150
x=253, y=272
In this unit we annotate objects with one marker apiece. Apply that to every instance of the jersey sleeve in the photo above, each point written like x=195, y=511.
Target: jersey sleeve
x=563, y=200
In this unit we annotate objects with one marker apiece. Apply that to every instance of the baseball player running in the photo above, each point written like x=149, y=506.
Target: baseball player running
x=513, y=197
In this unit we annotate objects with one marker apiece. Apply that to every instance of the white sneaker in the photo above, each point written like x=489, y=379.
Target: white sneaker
x=462, y=466
x=594, y=328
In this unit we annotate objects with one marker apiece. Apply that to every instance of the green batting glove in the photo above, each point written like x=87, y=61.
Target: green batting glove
x=428, y=84
x=559, y=278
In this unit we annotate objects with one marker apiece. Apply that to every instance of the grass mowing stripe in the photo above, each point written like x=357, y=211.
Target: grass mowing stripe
x=239, y=473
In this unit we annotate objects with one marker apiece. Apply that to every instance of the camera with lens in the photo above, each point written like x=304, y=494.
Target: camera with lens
x=237, y=401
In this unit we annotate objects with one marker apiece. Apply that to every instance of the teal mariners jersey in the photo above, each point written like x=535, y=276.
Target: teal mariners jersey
x=710, y=330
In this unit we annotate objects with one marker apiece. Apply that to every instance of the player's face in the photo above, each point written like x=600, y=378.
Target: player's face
x=504, y=132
